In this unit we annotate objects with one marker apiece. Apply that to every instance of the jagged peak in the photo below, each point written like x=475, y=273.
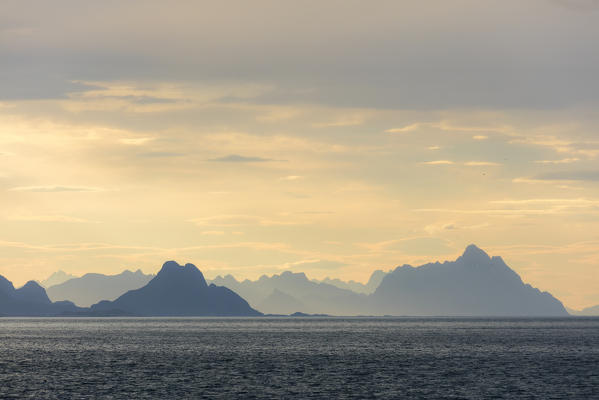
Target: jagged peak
x=173, y=268
x=475, y=254
x=170, y=265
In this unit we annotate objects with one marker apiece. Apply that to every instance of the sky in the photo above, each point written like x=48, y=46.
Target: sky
x=328, y=137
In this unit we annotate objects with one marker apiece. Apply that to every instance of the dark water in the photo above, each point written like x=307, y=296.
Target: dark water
x=299, y=358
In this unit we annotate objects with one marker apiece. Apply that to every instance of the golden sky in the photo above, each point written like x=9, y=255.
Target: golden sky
x=329, y=137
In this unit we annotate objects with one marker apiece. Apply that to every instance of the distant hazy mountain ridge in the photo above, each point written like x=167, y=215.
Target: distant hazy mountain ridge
x=290, y=292
x=358, y=287
x=472, y=285
x=592, y=311
x=179, y=291
x=92, y=288
x=56, y=278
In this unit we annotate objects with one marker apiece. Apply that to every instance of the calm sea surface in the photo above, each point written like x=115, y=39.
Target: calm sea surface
x=299, y=358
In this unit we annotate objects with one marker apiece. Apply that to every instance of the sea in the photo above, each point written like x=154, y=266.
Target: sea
x=299, y=358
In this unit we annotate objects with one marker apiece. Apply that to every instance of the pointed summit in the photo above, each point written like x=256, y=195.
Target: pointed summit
x=474, y=255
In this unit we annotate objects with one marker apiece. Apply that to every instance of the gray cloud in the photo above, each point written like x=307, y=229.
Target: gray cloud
x=392, y=54
x=592, y=176
x=235, y=158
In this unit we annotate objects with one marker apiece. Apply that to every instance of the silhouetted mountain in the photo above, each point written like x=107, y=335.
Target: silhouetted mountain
x=279, y=303
x=589, y=311
x=473, y=285
x=284, y=293
x=92, y=288
x=56, y=278
x=179, y=291
x=29, y=300
x=358, y=287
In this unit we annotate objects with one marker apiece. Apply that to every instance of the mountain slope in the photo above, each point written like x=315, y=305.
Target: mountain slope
x=314, y=297
x=29, y=301
x=56, y=278
x=358, y=287
x=92, y=288
x=179, y=291
x=473, y=285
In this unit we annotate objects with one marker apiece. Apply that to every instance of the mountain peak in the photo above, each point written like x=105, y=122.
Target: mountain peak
x=475, y=254
x=170, y=266
x=189, y=272
x=32, y=291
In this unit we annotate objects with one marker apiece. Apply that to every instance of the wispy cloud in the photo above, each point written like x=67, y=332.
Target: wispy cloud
x=243, y=220
x=562, y=161
x=439, y=162
x=467, y=163
x=481, y=164
x=213, y=233
x=49, y=218
x=160, y=154
x=136, y=141
x=55, y=189
x=313, y=264
x=450, y=126
x=591, y=176
x=291, y=178
x=236, y=158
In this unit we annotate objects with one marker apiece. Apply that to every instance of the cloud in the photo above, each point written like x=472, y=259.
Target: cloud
x=439, y=162
x=314, y=264
x=48, y=189
x=235, y=158
x=480, y=137
x=291, y=178
x=226, y=220
x=590, y=176
x=213, y=233
x=566, y=201
x=136, y=141
x=49, y=218
x=243, y=220
x=455, y=71
x=409, y=128
x=451, y=226
x=160, y=154
x=467, y=163
x=481, y=164
x=420, y=245
x=562, y=161
x=522, y=207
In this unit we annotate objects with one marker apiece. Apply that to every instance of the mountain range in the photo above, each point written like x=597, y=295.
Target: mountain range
x=290, y=292
x=30, y=300
x=92, y=288
x=472, y=285
x=587, y=312
x=56, y=278
x=358, y=287
x=179, y=291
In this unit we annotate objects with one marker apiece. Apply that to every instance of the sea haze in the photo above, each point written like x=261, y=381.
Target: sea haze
x=299, y=358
